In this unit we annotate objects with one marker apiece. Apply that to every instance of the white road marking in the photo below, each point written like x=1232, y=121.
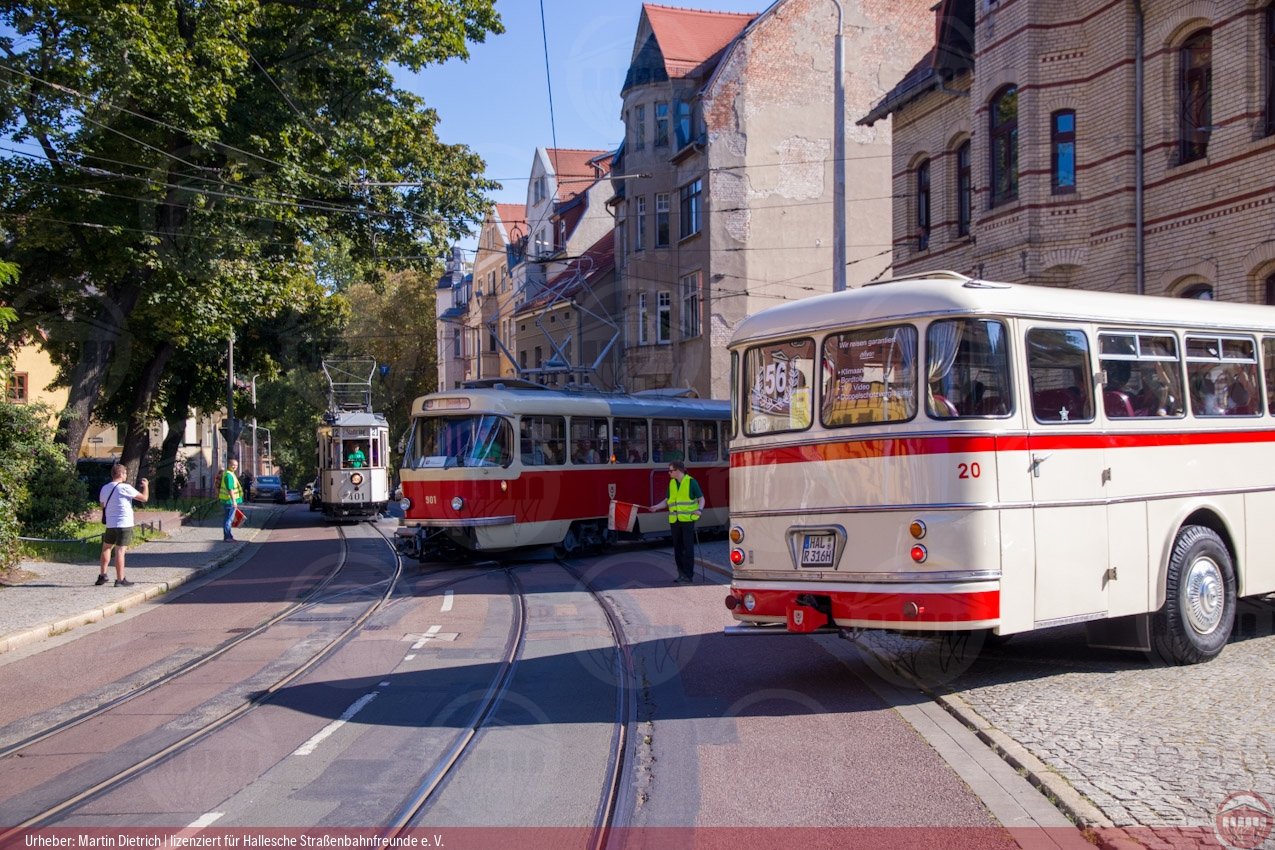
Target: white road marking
x=447, y=600
x=205, y=820
x=425, y=638
x=322, y=735
x=384, y=684
x=409, y=657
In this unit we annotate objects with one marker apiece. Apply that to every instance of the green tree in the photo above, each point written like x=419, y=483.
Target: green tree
x=174, y=165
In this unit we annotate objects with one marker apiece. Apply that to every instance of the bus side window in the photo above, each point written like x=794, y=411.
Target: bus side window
x=1059, y=371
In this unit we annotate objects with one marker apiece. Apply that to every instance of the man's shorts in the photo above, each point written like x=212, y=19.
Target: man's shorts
x=118, y=537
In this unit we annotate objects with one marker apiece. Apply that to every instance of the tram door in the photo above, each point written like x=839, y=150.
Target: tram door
x=1066, y=463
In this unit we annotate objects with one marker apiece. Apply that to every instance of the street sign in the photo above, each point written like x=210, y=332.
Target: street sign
x=95, y=439
x=238, y=426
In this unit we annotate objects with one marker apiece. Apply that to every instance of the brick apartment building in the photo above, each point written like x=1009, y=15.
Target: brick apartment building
x=724, y=184
x=1018, y=154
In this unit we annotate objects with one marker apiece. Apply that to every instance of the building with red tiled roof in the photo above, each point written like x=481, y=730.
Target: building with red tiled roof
x=726, y=207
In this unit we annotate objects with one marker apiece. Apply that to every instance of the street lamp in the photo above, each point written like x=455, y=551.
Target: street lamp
x=269, y=450
x=839, y=159
x=256, y=458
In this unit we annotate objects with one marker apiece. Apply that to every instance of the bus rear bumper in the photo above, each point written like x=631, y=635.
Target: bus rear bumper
x=807, y=608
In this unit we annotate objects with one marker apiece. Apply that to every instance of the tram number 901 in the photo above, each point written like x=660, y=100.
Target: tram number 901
x=968, y=470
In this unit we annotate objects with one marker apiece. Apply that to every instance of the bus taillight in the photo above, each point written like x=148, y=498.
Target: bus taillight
x=919, y=553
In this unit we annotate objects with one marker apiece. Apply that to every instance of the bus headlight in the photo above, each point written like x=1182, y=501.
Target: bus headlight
x=457, y=503
x=406, y=504
x=356, y=479
x=750, y=602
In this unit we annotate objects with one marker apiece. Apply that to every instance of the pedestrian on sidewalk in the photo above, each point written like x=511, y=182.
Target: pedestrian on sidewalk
x=116, y=498
x=685, y=501
x=231, y=495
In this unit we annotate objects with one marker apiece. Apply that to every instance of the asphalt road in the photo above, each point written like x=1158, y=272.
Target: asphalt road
x=718, y=732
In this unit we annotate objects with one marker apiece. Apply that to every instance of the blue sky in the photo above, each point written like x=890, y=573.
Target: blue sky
x=497, y=103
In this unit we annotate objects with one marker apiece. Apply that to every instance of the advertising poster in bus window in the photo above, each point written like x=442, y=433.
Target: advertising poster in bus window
x=869, y=376
x=782, y=376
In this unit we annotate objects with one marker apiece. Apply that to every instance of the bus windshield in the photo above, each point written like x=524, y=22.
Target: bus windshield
x=445, y=441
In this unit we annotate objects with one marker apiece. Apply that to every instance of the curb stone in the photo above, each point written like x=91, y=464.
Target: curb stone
x=58, y=627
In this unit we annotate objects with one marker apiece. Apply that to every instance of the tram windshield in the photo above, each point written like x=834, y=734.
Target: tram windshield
x=442, y=441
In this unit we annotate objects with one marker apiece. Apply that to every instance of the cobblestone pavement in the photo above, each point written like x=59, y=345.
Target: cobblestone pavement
x=1152, y=747
x=63, y=596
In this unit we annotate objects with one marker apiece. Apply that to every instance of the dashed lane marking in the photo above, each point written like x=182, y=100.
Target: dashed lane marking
x=324, y=733
x=205, y=820
x=447, y=601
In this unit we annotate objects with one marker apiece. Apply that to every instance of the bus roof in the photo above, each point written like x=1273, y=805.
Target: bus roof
x=545, y=401
x=948, y=293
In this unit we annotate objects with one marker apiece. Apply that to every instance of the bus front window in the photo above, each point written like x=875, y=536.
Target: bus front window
x=483, y=440
x=967, y=369
x=779, y=377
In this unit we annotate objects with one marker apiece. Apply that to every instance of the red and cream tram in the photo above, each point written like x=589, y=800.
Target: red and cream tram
x=940, y=453
x=504, y=464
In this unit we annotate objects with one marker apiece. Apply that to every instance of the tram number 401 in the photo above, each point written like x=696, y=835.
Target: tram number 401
x=968, y=470
x=357, y=496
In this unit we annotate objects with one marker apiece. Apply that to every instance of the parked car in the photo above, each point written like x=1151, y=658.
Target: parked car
x=288, y=496
x=307, y=492
x=266, y=488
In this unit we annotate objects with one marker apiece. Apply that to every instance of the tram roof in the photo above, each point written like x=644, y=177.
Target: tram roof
x=950, y=293
x=543, y=400
x=353, y=419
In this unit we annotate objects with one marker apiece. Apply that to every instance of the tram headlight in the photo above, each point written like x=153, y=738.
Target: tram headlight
x=919, y=554
x=737, y=535
x=356, y=479
x=406, y=504
x=457, y=503
x=737, y=556
x=750, y=602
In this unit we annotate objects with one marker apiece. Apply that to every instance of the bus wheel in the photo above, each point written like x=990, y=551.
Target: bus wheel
x=1199, y=601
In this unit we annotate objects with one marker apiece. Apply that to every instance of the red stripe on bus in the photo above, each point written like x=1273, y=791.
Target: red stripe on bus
x=914, y=446
x=881, y=607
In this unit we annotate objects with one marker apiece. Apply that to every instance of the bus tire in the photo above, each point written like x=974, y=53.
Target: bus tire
x=1199, y=600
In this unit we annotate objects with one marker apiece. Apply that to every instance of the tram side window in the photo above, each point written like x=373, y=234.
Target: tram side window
x=1058, y=367
x=870, y=376
x=589, y=440
x=1222, y=375
x=780, y=377
x=630, y=441
x=1143, y=376
x=1268, y=351
x=967, y=369
x=543, y=440
x=703, y=442
x=670, y=440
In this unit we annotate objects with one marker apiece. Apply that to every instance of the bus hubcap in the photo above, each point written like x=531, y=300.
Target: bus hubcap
x=1204, y=595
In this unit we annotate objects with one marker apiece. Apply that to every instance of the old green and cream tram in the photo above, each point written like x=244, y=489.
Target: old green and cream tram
x=354, y=481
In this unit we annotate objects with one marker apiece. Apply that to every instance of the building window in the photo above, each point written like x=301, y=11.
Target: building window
x=1269, y=293
x=690, y=306
x=690, y=209
x=644, y=337
x=1004, y=147
x=639, y=226
x=456, y=342
x=1195, y=95
x=964, y=190
x=639, y=127
x=682, y=114
x=661, y=220
x=661, y=125
x=664, y=330
x=1270, y=69
x=1199, y=292
x=1063, y=143
x=539, y=357
x=923, y=206
x=541, y=190
x=522, y=359
x=492, y=341
x=17, y=393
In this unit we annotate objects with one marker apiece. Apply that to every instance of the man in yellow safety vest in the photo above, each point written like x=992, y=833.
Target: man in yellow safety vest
x=231, y=495
x=685, y=501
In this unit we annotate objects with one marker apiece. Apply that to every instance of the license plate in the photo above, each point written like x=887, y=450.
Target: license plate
x=818, y=549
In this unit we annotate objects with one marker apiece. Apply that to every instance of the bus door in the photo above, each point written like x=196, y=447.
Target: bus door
x=1066, y=458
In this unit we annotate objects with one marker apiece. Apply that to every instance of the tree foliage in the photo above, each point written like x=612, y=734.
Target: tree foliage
x=179, y=170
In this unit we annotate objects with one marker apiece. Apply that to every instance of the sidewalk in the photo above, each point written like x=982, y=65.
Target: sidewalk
x=63, y=596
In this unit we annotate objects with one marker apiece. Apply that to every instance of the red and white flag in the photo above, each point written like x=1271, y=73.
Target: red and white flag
x=622, y=516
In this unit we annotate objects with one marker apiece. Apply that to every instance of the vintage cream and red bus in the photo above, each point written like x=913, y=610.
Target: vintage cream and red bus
x=940, y=453
x=504, y=464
